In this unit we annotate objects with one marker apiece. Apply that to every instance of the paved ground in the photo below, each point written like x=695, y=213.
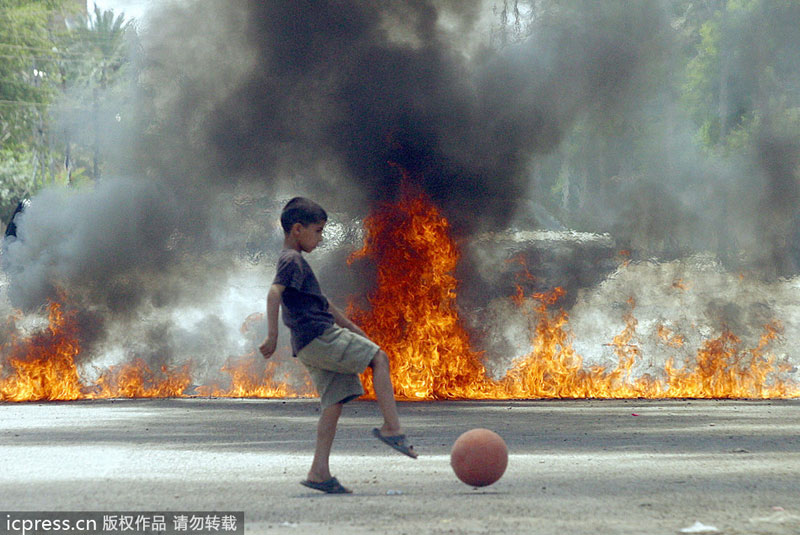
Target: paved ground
x=576, y=467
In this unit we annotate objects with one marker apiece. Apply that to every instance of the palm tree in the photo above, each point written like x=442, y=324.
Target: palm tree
x=102, y=34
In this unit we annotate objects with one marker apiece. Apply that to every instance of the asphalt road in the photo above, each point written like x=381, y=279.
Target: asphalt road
x=575, y=467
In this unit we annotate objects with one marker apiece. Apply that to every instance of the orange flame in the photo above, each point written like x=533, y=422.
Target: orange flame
x=136, y=380
x=248, y=380
x=670, y=338
x=43, y=367
x=413, y=316
x=723, y=367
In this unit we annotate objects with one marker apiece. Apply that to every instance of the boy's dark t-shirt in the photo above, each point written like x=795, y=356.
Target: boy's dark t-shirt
x=305, y=309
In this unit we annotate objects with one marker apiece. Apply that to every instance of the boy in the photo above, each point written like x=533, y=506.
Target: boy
x=332, y=348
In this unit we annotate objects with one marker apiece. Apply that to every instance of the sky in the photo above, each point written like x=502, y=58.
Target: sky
x=132, y=8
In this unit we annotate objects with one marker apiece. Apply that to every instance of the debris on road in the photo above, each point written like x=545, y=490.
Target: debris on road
x=699, y=527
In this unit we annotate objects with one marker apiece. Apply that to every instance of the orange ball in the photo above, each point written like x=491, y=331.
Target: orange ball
x=479, y=457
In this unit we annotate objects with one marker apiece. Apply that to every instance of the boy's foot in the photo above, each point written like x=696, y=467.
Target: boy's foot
x=331, y=486
x=397, y=442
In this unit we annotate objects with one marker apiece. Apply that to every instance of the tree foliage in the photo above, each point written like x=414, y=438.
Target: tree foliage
x=744, y=70
x=722, y=76
x=726, y=87
x=57, y=69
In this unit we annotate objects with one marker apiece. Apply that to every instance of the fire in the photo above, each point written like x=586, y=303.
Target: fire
x=723, y=366
x=412, y=314
x=249, y=379
x=414, y=318
x=670, y=338
x=43, y=367
x=250, y=376
x=137, y=380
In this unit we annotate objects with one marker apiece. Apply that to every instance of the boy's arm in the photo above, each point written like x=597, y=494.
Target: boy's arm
x=273, y=306
x=343, y=321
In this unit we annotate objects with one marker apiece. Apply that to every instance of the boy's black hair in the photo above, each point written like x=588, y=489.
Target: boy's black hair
x=301, y=210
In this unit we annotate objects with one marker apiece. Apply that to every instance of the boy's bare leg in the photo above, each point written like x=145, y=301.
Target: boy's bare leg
x=384, y=392
x=326, y=431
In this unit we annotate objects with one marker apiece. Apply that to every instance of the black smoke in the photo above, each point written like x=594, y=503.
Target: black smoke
x=239, y=105
x=384, y=91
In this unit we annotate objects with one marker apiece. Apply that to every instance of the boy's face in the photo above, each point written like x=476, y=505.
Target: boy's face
x=309, y=236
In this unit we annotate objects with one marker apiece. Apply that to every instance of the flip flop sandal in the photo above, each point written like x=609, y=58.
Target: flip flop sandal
x=397, y=442
x=331, y=486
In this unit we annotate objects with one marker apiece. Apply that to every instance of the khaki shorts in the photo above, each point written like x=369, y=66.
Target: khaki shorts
x=333, y=360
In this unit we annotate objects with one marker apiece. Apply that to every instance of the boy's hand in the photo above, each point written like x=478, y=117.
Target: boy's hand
x=269, y=346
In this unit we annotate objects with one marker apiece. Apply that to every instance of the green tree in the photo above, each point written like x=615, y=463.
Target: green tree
x=29, y=39
x=745, y=72
x=59, y=69
x=101, y=37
